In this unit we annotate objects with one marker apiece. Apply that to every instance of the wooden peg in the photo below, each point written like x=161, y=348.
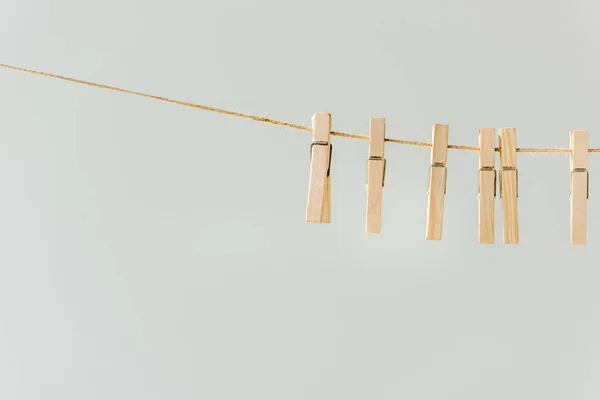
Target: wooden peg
x=579, y=186
x=509, y=190
x=487, y=184
x=437, y=182
x=375, y=174
x=318, y=209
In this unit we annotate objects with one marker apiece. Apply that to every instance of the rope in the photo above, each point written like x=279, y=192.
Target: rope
x=265, y=119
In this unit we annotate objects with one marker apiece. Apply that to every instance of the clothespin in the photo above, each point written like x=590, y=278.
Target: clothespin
x=580, y=180
x=437, y=182
x=375, y=174
x=509, y=184
x=318, y=209
x=487, y=184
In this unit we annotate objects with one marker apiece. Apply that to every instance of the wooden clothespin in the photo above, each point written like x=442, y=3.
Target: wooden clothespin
x=375, y=174
x=487, y=184
x=437, y=182
x=318, y=209
x=509, y=184
x=579, y=186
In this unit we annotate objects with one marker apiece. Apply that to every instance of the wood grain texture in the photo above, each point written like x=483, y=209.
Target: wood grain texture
x=374, y=196
x=508, y=147
x=508, y=180
x=579, y=186
x=376, y=137
x=326, y=216
x=318, y=209
x=487, y=184
x=439, y=144
x=375, y=173
x=437, y=183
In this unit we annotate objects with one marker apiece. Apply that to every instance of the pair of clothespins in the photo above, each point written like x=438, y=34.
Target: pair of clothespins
x=508, y=185
x=318, y=209
x=509, y=177
x=486, y=184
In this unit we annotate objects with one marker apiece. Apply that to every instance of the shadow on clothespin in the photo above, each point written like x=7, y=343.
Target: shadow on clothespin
x=580, y=180
x=437, y=182
x=487, y=184
x=376, y=165
x=318, y=209
x=509, y=184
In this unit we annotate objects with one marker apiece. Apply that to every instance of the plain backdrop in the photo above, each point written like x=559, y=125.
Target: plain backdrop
x=151, y=251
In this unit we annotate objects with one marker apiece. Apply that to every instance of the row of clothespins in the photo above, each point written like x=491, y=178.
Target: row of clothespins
x=319, y=194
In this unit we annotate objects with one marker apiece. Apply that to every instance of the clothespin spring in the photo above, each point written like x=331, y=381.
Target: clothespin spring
x=440, y=165
x=323, y=143
x=517, y=176
x=379, y=158
x=587, y=189
x=492, y=169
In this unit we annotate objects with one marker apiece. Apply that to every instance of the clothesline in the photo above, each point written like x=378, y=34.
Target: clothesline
x=268, y=120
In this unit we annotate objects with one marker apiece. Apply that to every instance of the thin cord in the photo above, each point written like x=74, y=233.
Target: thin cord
x=266, y=120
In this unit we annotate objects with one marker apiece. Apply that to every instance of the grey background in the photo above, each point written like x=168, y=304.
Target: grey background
x=150, y=251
